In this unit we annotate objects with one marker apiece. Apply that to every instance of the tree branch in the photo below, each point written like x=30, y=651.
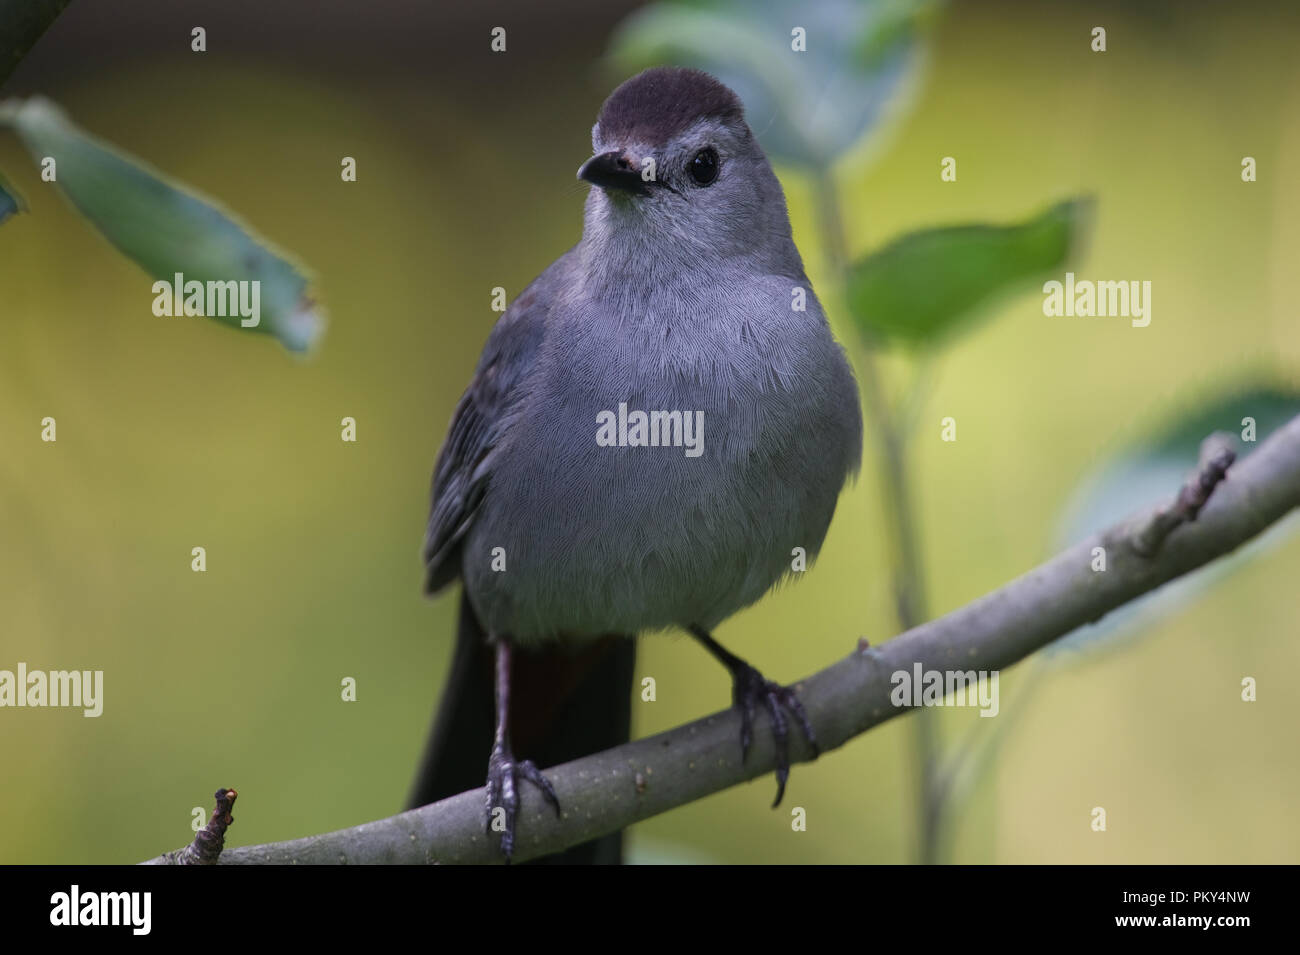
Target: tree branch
x=1217, y=455
x=614, y=789
x=208, y=841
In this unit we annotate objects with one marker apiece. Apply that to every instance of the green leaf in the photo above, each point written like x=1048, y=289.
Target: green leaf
x=924, y=286
x=10, y=200
x=164, y=227
x=1149, y=473
x=805, y=107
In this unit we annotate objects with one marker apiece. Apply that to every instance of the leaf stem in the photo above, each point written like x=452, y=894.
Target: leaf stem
x=906, y=565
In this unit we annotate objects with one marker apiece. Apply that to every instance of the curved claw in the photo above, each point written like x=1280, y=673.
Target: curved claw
x=749, y=689
x=504, y=773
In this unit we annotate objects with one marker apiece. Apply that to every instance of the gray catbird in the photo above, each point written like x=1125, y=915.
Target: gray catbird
x=655, y=426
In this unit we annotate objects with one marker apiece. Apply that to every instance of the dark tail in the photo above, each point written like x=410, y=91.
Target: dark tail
x=564, y=705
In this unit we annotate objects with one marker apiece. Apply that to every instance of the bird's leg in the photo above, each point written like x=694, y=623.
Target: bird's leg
x=748, y=689
x=504, y=771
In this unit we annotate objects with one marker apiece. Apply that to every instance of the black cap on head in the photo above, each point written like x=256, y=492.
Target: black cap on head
x=655, y=106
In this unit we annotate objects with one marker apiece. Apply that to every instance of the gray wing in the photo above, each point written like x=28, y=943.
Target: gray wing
x=464, y=464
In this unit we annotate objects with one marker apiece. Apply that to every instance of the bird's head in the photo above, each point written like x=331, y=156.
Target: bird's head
x=675, y=161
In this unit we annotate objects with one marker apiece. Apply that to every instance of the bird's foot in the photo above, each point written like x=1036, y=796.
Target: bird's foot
x=504, y=775
x=749, y=689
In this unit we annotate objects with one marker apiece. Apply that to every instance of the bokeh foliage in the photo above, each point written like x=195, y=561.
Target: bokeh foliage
x=174, y=433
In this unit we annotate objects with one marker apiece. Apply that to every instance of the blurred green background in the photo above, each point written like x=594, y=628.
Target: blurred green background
x=176, y=433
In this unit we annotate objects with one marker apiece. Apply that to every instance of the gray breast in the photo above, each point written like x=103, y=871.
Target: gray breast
x=589, y=539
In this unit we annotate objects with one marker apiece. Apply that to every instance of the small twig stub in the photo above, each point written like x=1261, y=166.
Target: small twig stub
x=1216, y=458
x=211, y=839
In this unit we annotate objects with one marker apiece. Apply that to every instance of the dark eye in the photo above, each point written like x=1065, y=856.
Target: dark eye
x=704, y=166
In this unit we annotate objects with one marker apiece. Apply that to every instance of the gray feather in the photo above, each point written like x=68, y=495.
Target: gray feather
x=680, y=300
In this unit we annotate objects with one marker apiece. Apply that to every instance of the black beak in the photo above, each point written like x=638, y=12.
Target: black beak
x=613, y=170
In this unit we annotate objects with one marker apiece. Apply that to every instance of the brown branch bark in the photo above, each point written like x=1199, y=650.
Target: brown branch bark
x=1217, y=456
x=208, y=841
